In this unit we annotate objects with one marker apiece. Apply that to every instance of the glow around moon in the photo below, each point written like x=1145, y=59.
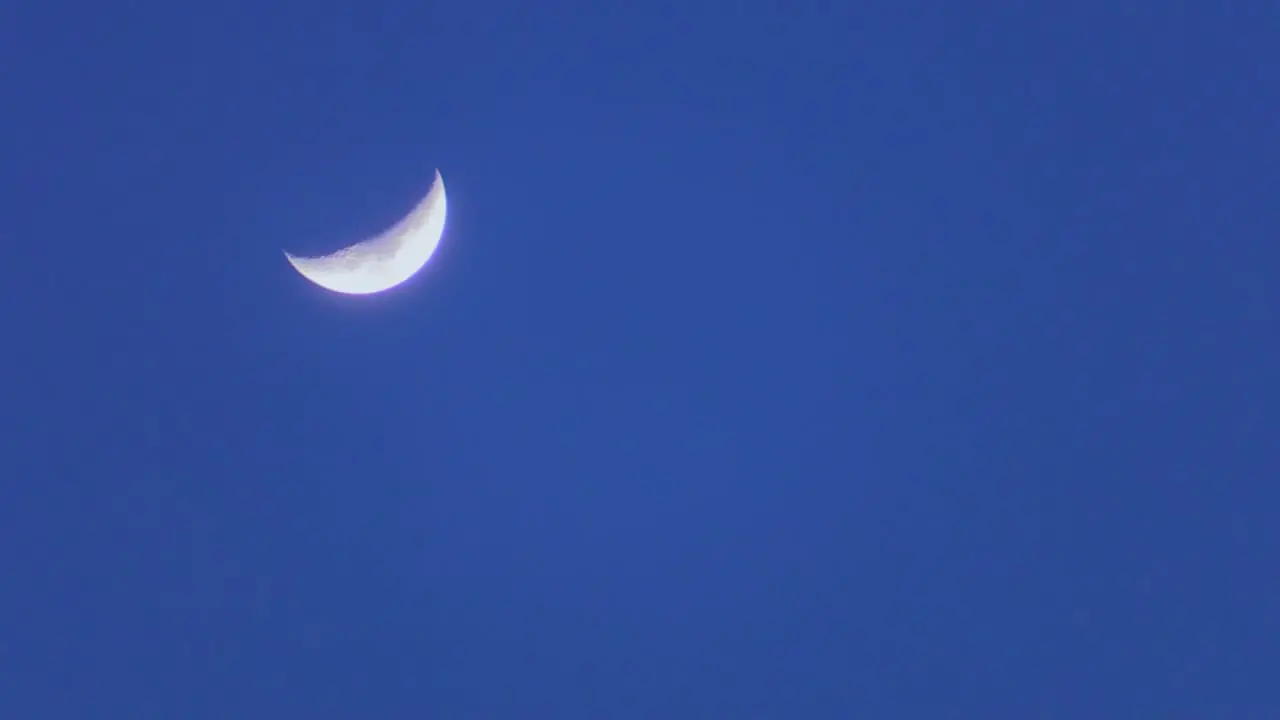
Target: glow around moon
x=386, y=260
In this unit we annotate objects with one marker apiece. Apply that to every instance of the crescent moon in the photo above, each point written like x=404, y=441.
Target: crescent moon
x=385, y=260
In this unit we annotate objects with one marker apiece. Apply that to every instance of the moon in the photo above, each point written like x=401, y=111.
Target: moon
x=385, y=260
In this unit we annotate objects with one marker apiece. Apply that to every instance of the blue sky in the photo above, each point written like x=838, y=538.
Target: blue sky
x=814, y=359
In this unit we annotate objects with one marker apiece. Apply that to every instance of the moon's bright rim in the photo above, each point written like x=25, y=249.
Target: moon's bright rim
x=386, y=260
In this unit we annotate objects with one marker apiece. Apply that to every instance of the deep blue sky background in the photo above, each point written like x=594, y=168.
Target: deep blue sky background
x=781, y=360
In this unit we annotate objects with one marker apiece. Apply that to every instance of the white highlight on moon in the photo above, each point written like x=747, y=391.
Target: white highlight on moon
x=386, y=260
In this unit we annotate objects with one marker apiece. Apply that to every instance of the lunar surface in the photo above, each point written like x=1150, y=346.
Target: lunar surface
x=386, y=260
